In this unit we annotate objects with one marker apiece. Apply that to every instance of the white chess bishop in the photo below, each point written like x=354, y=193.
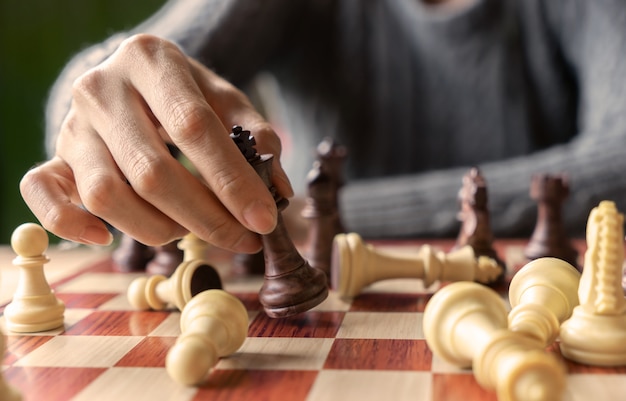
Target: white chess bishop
x=34, y=306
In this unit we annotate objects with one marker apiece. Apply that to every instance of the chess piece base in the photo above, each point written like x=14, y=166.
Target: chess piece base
x=594, y=339
x=34, y=314
x=285, y=295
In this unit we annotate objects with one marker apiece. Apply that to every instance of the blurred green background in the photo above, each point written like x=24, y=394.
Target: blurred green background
x=37, y=38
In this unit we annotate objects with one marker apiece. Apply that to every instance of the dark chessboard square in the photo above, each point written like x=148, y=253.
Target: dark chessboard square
x=386, y=302
x=19, y=346
x=461, y=386
x=118, y=323
x=310, y=324
x=51, y=383
x=150, y=352
x=85, y=301
x=249, y=300
x=379, y=354
x=275, y=385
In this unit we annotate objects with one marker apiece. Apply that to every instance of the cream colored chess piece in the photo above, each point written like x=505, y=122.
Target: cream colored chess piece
x=543, y=295
x=213, y=324
x=7, y=392
x=465, y=324
x=191, y=277
x=356, y=265
x=596, y=332
x=34, y=306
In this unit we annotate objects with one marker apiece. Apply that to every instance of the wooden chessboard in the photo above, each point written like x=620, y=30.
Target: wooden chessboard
x=369, y=348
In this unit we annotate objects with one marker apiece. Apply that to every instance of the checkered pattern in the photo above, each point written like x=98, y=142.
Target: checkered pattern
x=369, y=348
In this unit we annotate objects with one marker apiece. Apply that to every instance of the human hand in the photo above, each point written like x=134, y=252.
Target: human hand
x=112, y=163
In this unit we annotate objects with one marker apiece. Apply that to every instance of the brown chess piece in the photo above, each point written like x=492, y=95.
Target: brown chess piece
x=290, y=285
x=131, y=255
x=322, y=204
x=549, y=237
x=474, y=216
x=166, y=259
x=248, y=264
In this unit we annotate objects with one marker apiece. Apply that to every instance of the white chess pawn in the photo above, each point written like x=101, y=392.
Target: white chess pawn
x=543, y=295
x=34, y=306
x=465, y=324
x=191, y=277
x=213, y=324
x=7, y=392
x=596, y=332
x=356, y=265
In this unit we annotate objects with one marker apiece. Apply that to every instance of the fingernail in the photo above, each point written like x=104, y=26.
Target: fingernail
x=260, y=217
x=96, y=236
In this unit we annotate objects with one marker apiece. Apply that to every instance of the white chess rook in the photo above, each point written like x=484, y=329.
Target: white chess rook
x=543, y=295
x=213, y=324
x=7, y=392
x=34, y=306
x=356, y=265
x=465, y=324
x=191, y=277
x=596, y=332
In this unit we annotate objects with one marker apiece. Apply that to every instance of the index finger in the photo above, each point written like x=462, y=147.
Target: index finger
x=199, y=132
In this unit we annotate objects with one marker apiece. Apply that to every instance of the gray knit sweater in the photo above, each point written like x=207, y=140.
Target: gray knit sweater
x=418, y=94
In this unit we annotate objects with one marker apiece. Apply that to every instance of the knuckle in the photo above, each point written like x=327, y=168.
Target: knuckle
x=89, y=85
x=266, y=136
x=148, y=47
x=56, y=220
x=219, y=233
x=99, y=195
x=189, y=119
x=147, y=175
x=30, y=181
x=228, y=183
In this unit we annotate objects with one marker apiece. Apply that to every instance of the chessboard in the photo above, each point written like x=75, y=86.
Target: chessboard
x=371, y=347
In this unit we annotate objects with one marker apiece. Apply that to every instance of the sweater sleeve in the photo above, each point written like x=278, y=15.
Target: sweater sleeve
x=592, y=38
x=233, y=37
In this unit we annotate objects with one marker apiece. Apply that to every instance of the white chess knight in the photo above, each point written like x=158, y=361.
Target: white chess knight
x=34, y=306
x=596, y=332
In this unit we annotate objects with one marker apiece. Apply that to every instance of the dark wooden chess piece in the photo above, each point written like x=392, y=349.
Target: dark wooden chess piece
x=290, y=285
x=549, y=237
x=322, y=205
x=166, y=259
x=474, y=216
x=131, y=255
x=248, y=264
